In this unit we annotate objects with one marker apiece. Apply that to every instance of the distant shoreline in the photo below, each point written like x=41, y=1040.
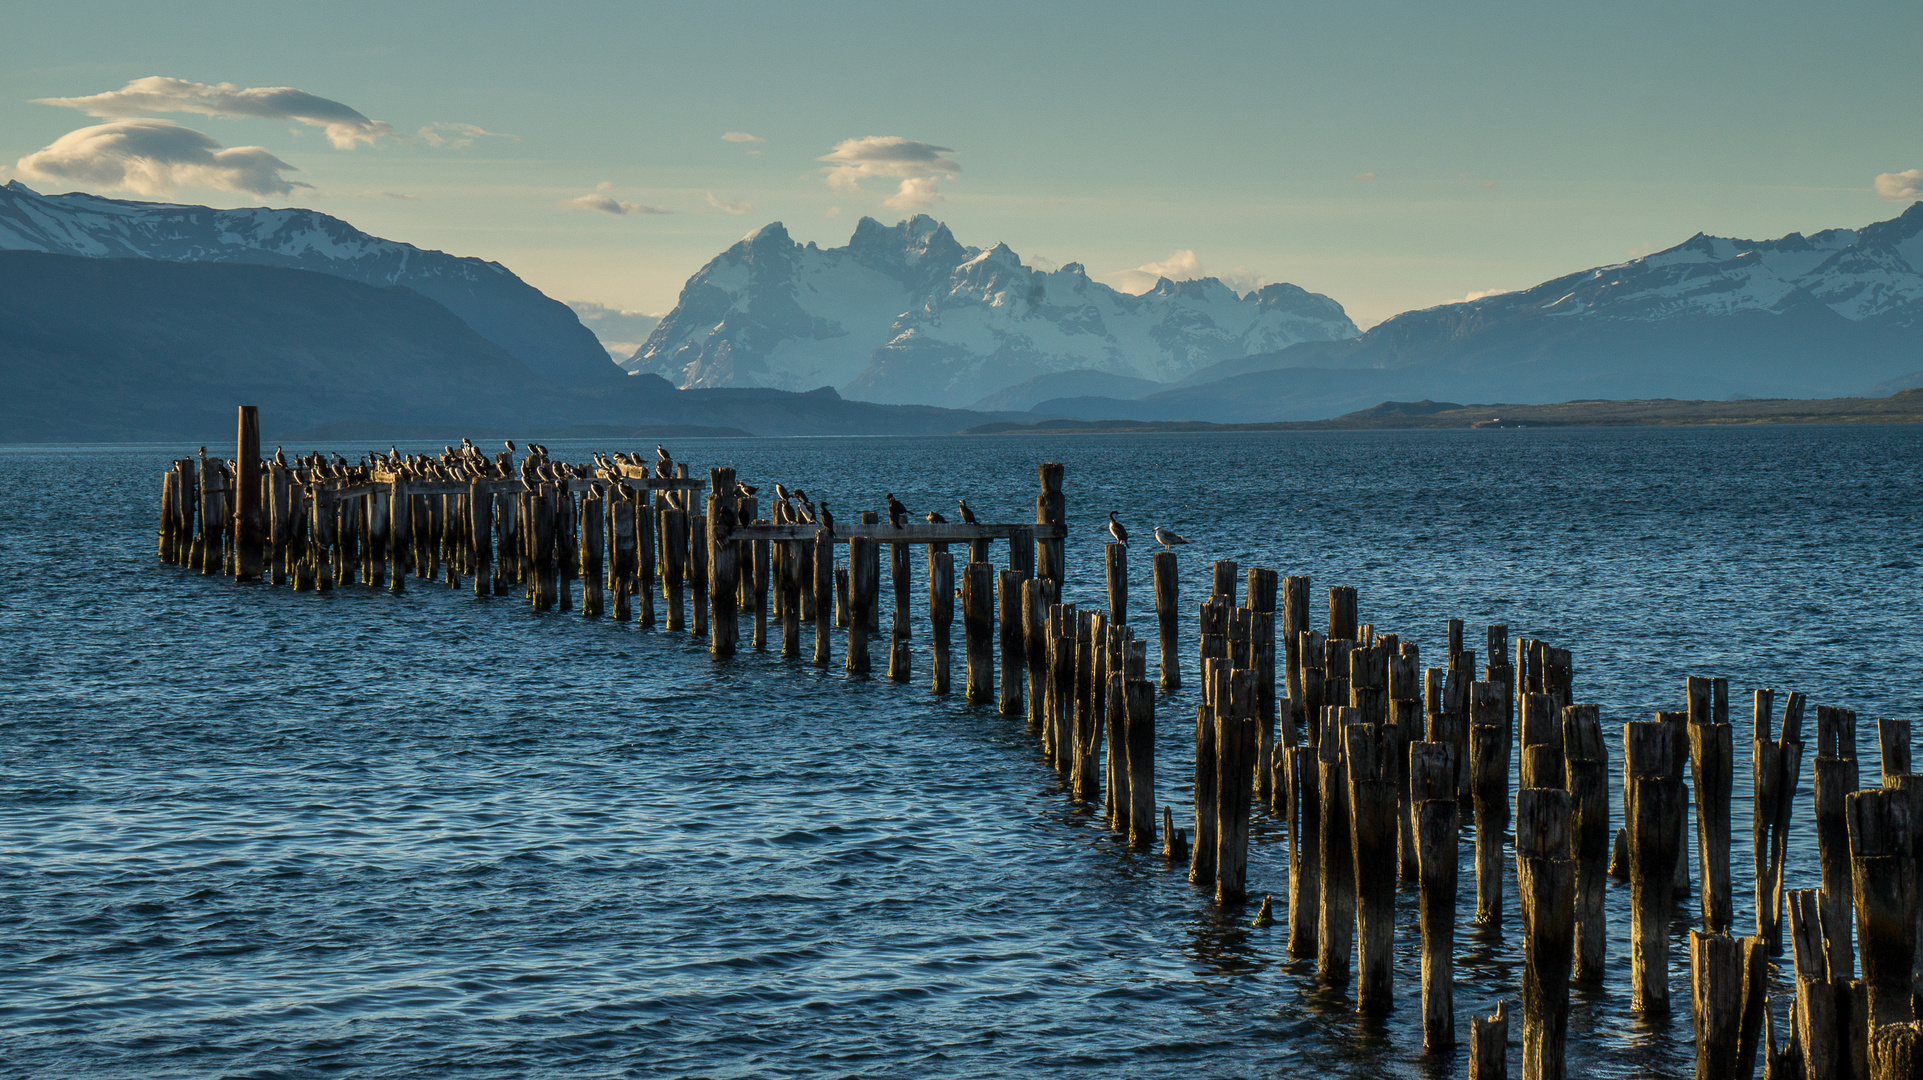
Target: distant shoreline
x=1904, y=407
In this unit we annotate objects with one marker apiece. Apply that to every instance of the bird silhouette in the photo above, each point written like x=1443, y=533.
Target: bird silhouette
x=1115, y=529
x=1168, y=538
x=936, y=519
x=827, y=519
x=968, y=516
x=896, y=511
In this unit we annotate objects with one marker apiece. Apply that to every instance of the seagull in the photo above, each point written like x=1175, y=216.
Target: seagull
x=896, y=511
x=1115, y=529
x=1167, y=537
x=968, y=516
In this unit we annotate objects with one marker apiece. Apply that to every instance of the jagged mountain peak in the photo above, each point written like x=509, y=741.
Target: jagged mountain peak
x=907, y=313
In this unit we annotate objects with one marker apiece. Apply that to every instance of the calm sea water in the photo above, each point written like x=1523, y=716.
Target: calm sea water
x=254, y=833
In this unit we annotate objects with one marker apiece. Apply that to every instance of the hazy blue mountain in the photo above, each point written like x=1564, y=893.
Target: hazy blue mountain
x=906, y=313
x=542, y=333
x=1081, y=382
x=1819, y=316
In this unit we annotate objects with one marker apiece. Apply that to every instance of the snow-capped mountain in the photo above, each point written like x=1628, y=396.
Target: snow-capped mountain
x=907, y=314
x=1859, y=274
x=540, y=332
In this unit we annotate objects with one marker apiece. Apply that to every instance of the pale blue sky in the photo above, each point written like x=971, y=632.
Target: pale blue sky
x=1508, y=142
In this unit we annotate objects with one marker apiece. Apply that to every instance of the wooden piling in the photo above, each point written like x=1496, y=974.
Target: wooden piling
x=762, y=553
x=1115, y=565
x=674, y=551
x=1035, y=603
x=1651, y=806
x=1489, y=1045
x=898, y=569
x=941, y=615
x=593, y=531
x=1139, y=706
x=1432, y=789
x=1819, y=1030
x=1728, y=980
x=1884, y=879
x=1014, y=651
x=248, y=535
x=1202, y=865
x=1893, y=738
x=1546, y=882
x=1167, y=616
x=1052, y=510
x=1335, y=933
x=864, y=570
x=1302, y=773
x=1711, y=762
x=1835, y=781
x=1342, y=613
x=1372, y=842
x=1586, y=769
x=1236, y=737
x=1775, y=767
x=1489, y=782
x=791, y=609
x=978, y=630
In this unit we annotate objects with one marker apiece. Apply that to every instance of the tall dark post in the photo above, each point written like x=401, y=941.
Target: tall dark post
x=248, y=535
x=1050, y=509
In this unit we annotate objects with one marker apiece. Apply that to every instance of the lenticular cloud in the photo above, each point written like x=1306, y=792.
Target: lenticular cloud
x=915, y=164
x=345, y=127
x=153, y=157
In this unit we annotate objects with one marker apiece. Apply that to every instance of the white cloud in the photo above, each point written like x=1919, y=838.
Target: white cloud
x=738, y=206
x=740, y=136
x=153, y=157
x=1363, y=176
x=1243, y=280
x=833, y=211
x=1477, y=295
x=621, y=331
x=1898, y=186
x=372, y=193
x=345, y=126
x=601, y=202
x=915, y=193
x=444, y=135
x=1181, y=265
x=1043, y=263
x=916, y=164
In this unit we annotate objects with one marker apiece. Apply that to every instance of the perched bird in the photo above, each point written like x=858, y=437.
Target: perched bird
x=1167, y=538
x=968, y=516
x=936, y=519
x=896, y=511
x=510, y=446
x=748, y=490
x=1115, y=529
x=781, y=492
x=827, y=519
x=663, y=463
x=280, y=456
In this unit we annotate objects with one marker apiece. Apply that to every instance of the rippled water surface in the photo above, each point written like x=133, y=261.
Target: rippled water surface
x=254, y=833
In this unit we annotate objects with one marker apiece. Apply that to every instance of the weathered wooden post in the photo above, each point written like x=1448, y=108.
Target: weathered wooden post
x=1489, y=772
x=1335, y=908
x=1261, y=605
x=1115, y=562
x=1775, y=767
x=762, y=552
x=864, y=572
x=1372, y=840
x=1819, y=1027
x=1728, y=983
x=1014, y=653
x=1167, y=616
x=674, y=550
x=1035, y=602
x=941, y=614
x=593, y=532
x=622, y=549
x=697, y=567
x=1546, y=880
x=1139, y=704
x=248, y=537
x=898, y=569
x=1051, y=510
x=1896, y=1051
x=399, y=532
x=1586, y=767
x=1651, y=805
x=790, y=584
x=1342, y=612
x=1711, y=762
x=1489, y=1045
x=1893, y=737
x=724, y=567
x=823, y=585
x=1085, y=764
x=1836, y=779
x=1236, y=733
x=1885, y=895
x=1202, y=868
x=978, y=630
x=1432, y=788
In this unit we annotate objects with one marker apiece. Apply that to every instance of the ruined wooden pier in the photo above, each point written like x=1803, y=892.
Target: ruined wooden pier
x=1386, y=776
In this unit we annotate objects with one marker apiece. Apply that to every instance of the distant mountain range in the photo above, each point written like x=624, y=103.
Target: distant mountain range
x=1828, y=315
x=906, y=313
x=541, y=333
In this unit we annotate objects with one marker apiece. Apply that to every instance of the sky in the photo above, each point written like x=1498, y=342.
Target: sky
x=1391, y=155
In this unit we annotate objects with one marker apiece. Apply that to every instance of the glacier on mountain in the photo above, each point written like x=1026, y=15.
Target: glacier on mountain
x=907, y=314
x=540, y=332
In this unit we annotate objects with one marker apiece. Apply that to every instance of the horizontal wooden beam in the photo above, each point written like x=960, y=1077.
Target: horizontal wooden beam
x=912, y=533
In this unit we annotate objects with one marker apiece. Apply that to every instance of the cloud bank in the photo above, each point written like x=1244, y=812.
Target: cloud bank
x=345, y=127
x=917, y=165
x=1900, y=186
x=443, y=135
x=740, y=136
x=153, y=157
